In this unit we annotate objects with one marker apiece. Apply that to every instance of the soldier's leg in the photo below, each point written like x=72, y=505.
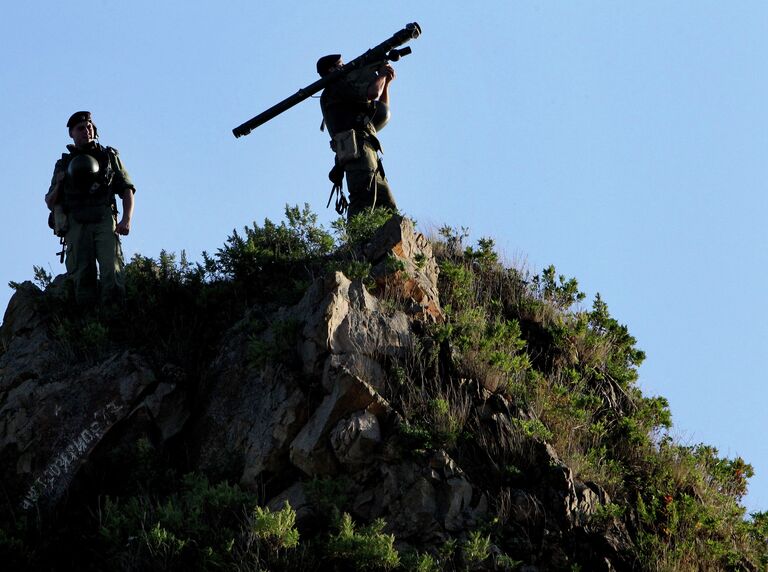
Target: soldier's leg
x=110, y=257
x=368, y=186
x=81, y=262
x=384, y=196
x=360, y=175
x=358, y=185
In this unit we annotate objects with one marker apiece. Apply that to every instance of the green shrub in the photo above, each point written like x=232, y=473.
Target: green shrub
x=277, y=529
x=198, y=526
x=556, y=289
x=82, y=337
x=367, y=549
x=243, y=256
x=361, y=227
x=532, y=428
x=41, y=277
x=476, y=549
x=416, y=437
x=417, y=562
x=164, y=547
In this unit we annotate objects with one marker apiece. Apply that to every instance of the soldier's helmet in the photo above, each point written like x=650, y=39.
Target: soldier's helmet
x=325, y=64
x=83, y=171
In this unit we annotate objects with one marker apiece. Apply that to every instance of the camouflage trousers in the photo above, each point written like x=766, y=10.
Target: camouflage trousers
x=90, y=243
x=368, y=187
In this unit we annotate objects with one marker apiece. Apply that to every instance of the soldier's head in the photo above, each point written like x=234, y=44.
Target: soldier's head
x=81, y=128
x=329, y=63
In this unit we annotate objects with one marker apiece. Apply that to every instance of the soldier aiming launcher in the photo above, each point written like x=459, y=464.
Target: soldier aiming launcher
x=386, y=51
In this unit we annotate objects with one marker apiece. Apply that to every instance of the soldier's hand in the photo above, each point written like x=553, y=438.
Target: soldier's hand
x=123, y=227
x=388, y=72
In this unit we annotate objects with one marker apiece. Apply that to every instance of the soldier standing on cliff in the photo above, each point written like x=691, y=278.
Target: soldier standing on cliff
x=354, y=108
x=82, y=196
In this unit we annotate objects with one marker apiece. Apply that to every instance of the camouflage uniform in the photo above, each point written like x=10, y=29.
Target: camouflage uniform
x=345, y=105
x=91, y=214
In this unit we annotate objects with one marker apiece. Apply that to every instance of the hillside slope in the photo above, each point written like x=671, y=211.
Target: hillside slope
x=375, y=402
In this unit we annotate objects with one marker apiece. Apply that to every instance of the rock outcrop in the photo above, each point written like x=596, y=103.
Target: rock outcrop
x=278, y=425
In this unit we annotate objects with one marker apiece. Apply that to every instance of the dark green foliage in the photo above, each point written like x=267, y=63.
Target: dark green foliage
x=485, y=342
x=330, y=497
x=366, y=549
x=417, y=437
x=351, y=238
x=273, y=263
x=85, y=338
x=561, y=292
x=243, y=256
x=42, y=277
x=174, y=312
x=197, y=526
x=361, y=228
x=689, y=510
x=580, y=369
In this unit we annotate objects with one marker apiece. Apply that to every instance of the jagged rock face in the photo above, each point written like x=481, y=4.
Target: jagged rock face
x=29, y=351
x=423, y=500
x=277, y=426
x=312, y=450
x=416, y=282
x=355, y=438
x=54, y=415
x=249, y=421
x=340, y=318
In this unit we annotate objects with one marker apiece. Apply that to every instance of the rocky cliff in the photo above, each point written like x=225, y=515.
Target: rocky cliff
x=400, y=408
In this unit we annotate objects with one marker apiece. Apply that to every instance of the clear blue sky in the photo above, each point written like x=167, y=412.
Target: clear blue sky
x=624, y=142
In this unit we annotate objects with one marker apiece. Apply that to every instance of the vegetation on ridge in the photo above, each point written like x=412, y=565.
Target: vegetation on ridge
x=565, y=375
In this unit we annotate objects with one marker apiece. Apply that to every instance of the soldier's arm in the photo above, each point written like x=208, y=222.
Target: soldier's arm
x=125, y=190
x=122, y=180
x=389, y=75
x=52, y=196
x=124, y=226
x=376, y=88
x=379, y=87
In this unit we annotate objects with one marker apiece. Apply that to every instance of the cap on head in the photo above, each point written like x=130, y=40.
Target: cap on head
x=78, y=117
x=325, y=63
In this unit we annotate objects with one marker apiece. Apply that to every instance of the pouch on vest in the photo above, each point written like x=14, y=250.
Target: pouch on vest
x=346, y=146
x=58, y=221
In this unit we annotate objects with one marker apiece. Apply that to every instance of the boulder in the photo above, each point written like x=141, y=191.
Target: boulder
x=340, y=317
x=404, y=266
x=29, y=351
x=421, y=500
x=311, y=450
x=50, y=426
x=355, y=438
